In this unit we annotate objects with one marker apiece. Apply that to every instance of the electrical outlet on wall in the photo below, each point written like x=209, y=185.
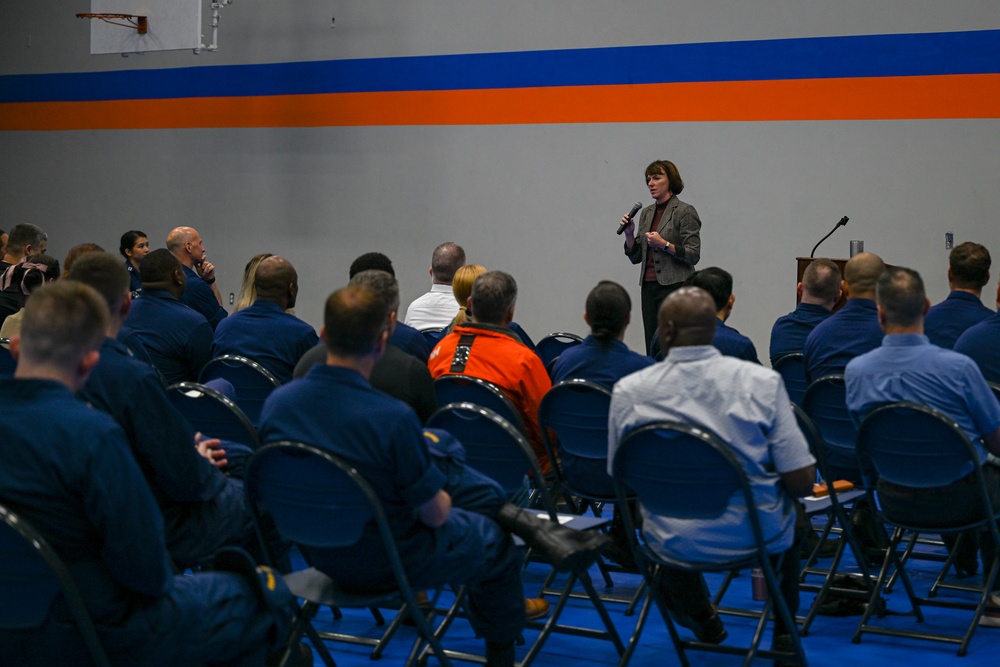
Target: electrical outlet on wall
x=949, y=240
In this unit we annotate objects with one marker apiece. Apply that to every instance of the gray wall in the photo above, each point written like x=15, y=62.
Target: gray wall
x=540, y=201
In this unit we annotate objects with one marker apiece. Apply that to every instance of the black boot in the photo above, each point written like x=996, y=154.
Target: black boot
x=567, y=549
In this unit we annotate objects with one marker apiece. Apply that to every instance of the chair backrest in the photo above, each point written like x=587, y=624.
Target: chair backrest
x=253, y=383
x=318, y=499
x=7, y=363
x=813, y=439
x=825, y=401
x=682, y=471
x=915, y=446
x=555, y=344
x=493, y=446
x=792, y=370
x=31, y=576
x=432, y=335
x=577, y=412
x=467, y=389
x=212, y=413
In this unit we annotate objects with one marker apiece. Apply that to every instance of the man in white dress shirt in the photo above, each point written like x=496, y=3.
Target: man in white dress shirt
x=437, y=308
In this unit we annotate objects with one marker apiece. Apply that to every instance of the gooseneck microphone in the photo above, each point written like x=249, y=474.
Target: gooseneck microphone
x=841, y=223
x=631, y=214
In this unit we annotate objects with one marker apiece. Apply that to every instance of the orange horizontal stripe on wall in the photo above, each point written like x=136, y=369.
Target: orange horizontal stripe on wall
x=893, y=98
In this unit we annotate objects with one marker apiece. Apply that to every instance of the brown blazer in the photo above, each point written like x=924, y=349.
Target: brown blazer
x=681, y=226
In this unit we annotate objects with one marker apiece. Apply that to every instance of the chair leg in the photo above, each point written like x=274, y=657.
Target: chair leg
x=640, y=624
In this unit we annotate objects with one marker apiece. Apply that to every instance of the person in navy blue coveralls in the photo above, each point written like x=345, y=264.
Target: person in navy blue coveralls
x=968, y=273
x=450, y=522
x=90, y=501
x=819, y=291
x=200, y=291
x=719, y=283
x=177, y=338
x=263, y=331
x=134, y=247
x=980, y=343
x=603, y=357
x=202, y=508
x=852, y=330
x=404, y=337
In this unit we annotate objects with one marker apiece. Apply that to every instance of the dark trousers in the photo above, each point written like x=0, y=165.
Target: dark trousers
x=954, y=504
x=472, y=549
x=652, y=295
x=687, y=593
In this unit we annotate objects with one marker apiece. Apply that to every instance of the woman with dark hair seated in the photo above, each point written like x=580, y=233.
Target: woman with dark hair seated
x=134, y=246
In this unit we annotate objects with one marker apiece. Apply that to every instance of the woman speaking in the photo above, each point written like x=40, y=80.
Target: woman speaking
x=667, y=243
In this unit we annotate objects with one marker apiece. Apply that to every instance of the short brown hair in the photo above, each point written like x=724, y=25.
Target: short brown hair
x=670, y=169
x=62, y=322
x=900, y=292
x=355, y=316
x=821, y=279
x=970, y=265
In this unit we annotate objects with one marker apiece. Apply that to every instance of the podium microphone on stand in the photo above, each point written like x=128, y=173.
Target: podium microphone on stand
x=841, y=223
x=631, y=214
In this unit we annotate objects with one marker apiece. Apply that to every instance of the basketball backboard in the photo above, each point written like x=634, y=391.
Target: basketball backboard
x=172, y=24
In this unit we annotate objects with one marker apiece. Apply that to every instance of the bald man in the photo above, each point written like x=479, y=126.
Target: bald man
x=747, y=406
x=263, y=331
x=852, y=330
x=201, y=293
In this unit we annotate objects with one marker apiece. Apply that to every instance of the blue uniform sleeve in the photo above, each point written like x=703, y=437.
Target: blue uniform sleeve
x=119, y=503
x=417, y=478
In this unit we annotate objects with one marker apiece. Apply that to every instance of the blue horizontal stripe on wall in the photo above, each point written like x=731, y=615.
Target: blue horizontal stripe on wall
x=975, y=52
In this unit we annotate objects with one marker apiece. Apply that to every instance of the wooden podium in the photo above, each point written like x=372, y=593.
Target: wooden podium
x=803, y=262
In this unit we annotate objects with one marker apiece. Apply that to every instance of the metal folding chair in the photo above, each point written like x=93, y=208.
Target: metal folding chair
x=467, y=389
x=497, y=449
x=213, y=414
x=319, y=501
x=555, y=344
x=31, y=576
x=837, y=508
x=792, y=370
x=915, y=446
x=681, y=471
x=253, y=383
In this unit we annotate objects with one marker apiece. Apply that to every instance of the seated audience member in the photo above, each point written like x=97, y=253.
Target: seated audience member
x=395, y=373
x=404, y=337
x=450, y=522
x=461, y=288
x=202, y=509
x=603, y=357
x=818, y=292
x=88, y=498
x=75, y=253
x=907, y=367
x=748, y=408
x=134, y=246
x=24, y=240
x=968, y=273
x=437, y=308
x=852, y=330
x=3, y=243
x=264, y=332
x=29, y=275
x=719, y=284
x=979, y=342
x=177, y=338
x=248, y=294
x=200, y=291
x=486, y=348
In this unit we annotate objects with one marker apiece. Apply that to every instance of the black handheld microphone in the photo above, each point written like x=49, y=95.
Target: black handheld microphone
x=841, y=223
x=631, y=214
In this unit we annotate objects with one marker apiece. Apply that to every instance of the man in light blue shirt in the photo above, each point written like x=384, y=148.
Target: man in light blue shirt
x=908, y=368
x=747, y=406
